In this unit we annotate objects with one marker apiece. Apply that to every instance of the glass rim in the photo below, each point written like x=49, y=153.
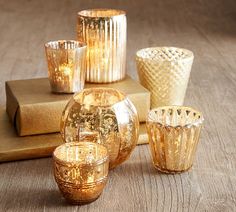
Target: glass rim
x=76, y=163
x=116, y=12
x=139, y=53
x=49, y=44
x=113, y=90
x=196, y=122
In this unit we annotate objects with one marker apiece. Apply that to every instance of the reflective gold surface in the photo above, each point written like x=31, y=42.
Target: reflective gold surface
x=173, y=133
x=81, y=170
x=105, y=116
x=66, y=65
x=164, y=71
x=104, y=32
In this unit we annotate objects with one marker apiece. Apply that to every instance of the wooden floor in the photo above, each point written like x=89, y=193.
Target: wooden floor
x=208, y=28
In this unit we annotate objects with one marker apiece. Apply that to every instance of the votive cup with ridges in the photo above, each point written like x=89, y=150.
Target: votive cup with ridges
x=81, y=170
x=173, y=133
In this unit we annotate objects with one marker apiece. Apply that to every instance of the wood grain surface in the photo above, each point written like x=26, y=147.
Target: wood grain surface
x=208, y=28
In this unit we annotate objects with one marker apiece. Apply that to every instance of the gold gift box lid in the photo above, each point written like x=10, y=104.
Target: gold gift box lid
x=33, y=109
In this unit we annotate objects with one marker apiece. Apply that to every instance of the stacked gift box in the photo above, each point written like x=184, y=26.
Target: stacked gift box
x=35, y=112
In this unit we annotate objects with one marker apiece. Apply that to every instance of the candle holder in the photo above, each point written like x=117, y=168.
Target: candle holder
x=164, y=71
x=173, y=133
x=80, y=170
x=105, y=116
x=104, y=32
x=66, y=65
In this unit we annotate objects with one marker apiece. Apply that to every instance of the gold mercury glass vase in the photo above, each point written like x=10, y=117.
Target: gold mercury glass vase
x=80, y=170
x=105, y=116
x=165, y=72
x=66, y=65
x=104, y=32
x=173, y=133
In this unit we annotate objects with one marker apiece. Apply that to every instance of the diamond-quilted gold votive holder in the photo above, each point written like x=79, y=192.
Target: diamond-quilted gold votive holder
x=173, y=133
x=164, y=71
x=66, y=65
x=80, y=170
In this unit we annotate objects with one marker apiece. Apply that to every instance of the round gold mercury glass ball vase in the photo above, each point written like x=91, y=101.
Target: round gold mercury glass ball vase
x=105, y=116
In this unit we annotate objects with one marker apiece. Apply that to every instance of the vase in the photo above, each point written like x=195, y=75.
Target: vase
x=105, y=116
x=104, y=32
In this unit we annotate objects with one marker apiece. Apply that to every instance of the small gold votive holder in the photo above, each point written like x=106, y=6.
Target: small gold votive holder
x=66, y=65
x=80, y=170
x=165, y=72
x=105, y=33
x=173, y=133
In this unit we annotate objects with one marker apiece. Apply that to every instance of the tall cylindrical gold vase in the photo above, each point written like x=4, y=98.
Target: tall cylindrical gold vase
x=104, y=32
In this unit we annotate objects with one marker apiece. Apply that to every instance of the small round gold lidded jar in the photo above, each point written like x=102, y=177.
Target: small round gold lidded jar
x=173, y=133
x=105, y=116
x=80, y=170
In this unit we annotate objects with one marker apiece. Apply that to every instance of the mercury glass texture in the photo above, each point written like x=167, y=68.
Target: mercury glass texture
x=105, y=116
x=173, y=133
x=104, y=32
x=66, y=65
x=164, y=71
x=80, y=170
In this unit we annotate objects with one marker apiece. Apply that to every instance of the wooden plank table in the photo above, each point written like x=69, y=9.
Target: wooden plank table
x=208, y=28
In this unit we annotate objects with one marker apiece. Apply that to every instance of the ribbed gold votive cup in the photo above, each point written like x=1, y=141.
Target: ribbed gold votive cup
x=66, y=65
x=104, y=32
x=173, y=133
x=80, y=170
x=164, y=71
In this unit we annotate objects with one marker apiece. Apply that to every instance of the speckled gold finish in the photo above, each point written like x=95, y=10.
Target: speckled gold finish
x=105, y=116
x=164, y=71
x=81, y=170
x=104, y=32
x=66, y=65
x=173, y=133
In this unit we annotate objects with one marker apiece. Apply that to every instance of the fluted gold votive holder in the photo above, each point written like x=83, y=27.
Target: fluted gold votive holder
x=80, y=170
x=104, y=32
x=173, y=133
x=165, y=72
x=66, y=65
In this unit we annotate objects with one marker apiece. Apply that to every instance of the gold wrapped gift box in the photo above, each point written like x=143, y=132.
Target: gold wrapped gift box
x=13, y=147
x=33, y=109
